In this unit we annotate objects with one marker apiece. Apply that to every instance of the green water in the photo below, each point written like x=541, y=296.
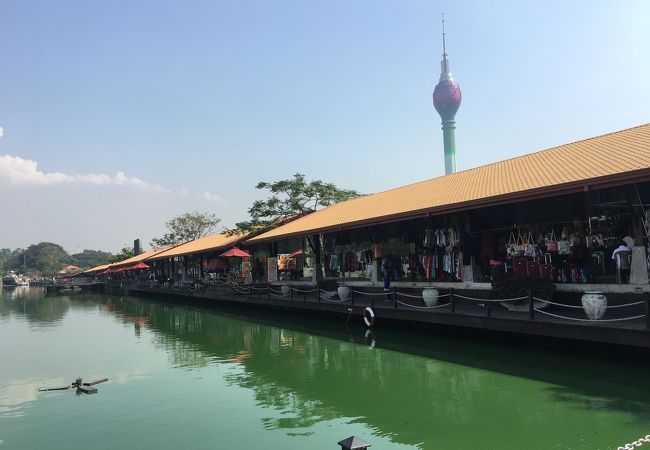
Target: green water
x=191, y=378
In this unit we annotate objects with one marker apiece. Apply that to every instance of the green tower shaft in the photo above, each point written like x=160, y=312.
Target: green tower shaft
x=449, y=139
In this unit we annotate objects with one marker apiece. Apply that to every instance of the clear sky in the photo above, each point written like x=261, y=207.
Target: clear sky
x=118, y=115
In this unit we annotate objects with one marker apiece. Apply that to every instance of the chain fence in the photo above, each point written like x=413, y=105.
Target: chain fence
x=638, y=443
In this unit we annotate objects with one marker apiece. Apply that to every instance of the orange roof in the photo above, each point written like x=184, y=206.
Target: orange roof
x=212, y=242
x=620, y=157
x=98, y=268
x=141, y=257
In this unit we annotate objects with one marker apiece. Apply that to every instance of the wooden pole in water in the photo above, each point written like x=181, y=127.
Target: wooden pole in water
x=92, y=383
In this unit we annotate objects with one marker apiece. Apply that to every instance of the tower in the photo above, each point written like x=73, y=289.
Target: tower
x=446, y=100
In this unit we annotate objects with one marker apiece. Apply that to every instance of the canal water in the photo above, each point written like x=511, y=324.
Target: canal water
x=184, y=377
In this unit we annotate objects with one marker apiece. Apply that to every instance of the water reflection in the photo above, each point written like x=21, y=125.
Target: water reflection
x=412, y=389
x=39, y=309
x=427, y=396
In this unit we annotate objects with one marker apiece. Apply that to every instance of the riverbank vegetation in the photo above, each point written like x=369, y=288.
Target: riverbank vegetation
x=46, y=258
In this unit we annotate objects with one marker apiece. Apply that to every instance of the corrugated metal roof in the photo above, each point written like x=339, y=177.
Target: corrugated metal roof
x=608, y=157
x=208, y=243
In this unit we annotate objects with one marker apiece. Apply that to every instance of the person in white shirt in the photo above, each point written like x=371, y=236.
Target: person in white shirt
x=622, y=258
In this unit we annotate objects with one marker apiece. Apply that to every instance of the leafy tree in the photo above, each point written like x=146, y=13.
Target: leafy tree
x=47, y=258
x=43, y=258
x=15, y=260
x=187, y=227
x=289, y=199
x=5, y=254
x=125, y=253
x=89, y=258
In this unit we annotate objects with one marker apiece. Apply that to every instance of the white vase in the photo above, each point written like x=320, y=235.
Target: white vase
x=430, y=296
x=594, y=304
x=344, y=292
x=285, y=290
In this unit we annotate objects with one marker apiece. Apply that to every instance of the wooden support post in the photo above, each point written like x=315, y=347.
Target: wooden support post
x=351, y=296
x=531, y=306
x=268, y=289
x=488, y=309
x=395, y=297
x=451, y=300
x=290, y=292
x=647, y=310
x=318, y=295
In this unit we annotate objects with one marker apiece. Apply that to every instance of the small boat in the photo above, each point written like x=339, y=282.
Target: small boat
x=11, y=279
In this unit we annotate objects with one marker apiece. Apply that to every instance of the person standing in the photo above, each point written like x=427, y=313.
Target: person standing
x=258, y=271
x=386, y=273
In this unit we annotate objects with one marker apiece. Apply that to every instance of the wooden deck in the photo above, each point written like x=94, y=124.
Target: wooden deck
x=408, y=310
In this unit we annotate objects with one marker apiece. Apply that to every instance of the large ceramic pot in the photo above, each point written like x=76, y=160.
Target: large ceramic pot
x=430, y=296
x=594, y=304
x=285, y=290
x=344, y=292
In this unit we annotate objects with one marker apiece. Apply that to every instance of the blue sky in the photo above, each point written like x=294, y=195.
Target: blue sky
x=195, y=102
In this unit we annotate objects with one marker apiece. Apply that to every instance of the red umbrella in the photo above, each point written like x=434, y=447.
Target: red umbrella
x=236, y=252
x=139, y=266
x=298, y=252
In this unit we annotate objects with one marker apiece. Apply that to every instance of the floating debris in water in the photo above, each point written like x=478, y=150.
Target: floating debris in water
x=86, y=388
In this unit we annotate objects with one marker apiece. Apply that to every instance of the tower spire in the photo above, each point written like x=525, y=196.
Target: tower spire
x=444, y=49
x=445, y=74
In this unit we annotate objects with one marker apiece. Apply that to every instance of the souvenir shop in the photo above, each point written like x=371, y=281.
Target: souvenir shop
x=286, y=260
x=347, y=254
x=563, y=239
x=422, y=250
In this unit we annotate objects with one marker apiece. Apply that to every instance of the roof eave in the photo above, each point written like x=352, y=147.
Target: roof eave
x=529, y=194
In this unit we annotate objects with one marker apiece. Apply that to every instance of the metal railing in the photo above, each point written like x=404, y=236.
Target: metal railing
x=405, y=300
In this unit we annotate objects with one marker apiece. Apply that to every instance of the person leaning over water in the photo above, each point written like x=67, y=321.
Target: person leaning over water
x=386, y=273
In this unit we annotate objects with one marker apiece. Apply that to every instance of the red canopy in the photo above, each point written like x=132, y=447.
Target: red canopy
x=139, y=266
x=298, y=252
x=236, y=252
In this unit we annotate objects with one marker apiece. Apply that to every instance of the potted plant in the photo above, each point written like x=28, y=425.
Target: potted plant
x=510, y=286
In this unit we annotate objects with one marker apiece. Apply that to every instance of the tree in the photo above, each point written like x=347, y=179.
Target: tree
x=187, y=227
x=5, y=254
x=89, y=258
x=43, y=258
x=291, y=198
x=125, y=253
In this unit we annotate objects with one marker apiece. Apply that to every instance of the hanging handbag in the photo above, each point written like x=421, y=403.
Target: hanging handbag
x=564, y=247
x=551, y=242
x=529, y=246
x=512, y=247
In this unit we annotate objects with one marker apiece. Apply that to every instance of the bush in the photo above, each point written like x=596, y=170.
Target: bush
x=510, y=286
